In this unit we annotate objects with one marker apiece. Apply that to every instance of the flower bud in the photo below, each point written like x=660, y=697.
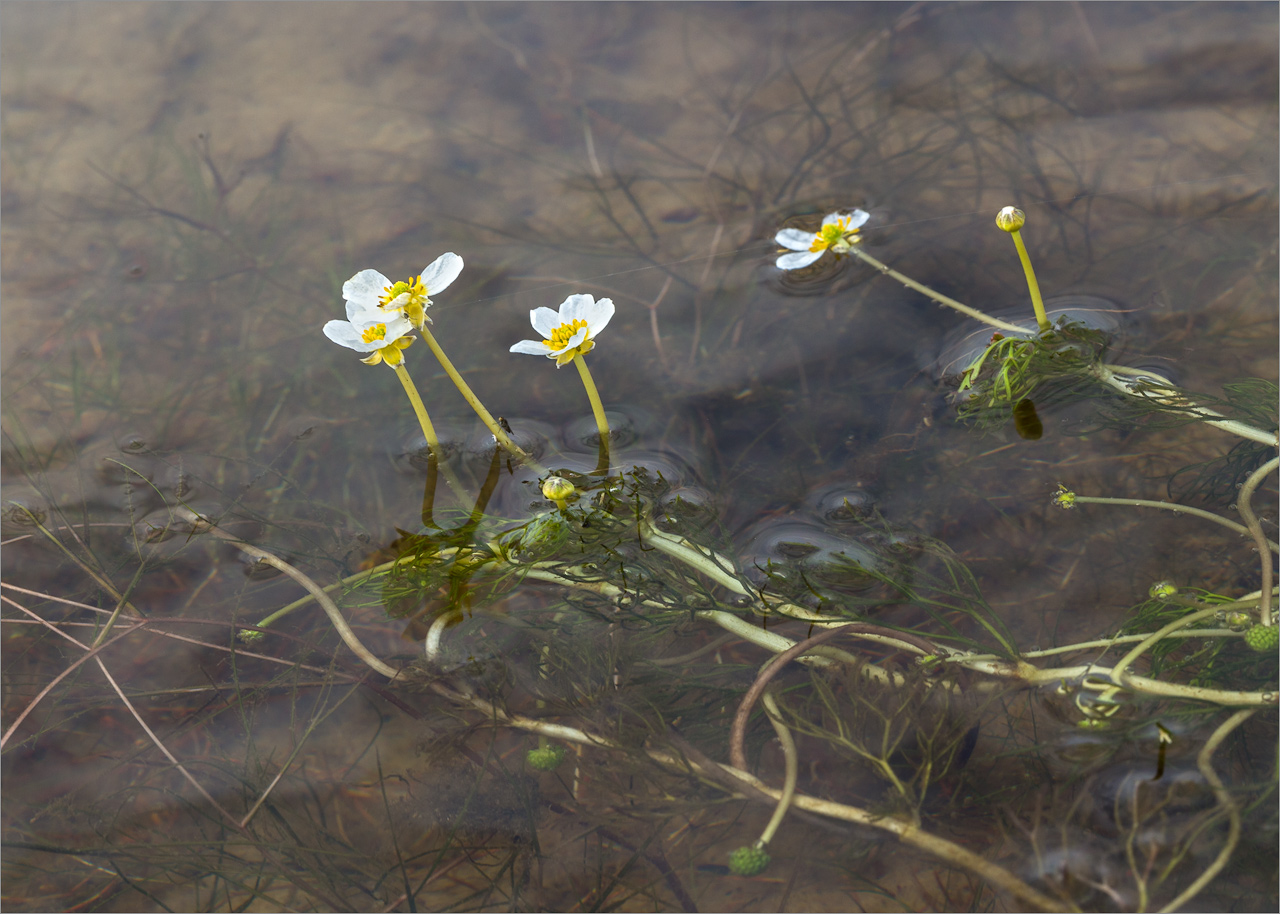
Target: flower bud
x=557, y=489
x=1162, y=590
x=1010, y=219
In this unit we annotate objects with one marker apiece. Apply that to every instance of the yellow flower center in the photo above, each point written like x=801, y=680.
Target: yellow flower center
x=561, y=335
x=414, y=288
x=836, y=236
x=374, y=333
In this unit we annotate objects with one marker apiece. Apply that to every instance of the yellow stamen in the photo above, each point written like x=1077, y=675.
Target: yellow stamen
x=561, y=335
x=836, y=236
x=376, y=332
x=414, y=288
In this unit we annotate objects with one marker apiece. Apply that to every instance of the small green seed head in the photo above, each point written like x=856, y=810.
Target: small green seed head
x=1010, y=219
x=748, y=861
x=1064, y=497
x=1163, y=590
x=1263, y=638
x=545, y=758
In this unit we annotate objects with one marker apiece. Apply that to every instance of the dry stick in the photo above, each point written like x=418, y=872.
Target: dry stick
x=91, y=654
x=161, y=746
x=653, y=322
x=1255, y=528
x=1204, y=761
x=155, y=740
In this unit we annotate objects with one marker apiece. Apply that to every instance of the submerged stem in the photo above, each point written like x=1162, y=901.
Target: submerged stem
x=792, y=758
x=1177, y=509
x=1255, y=530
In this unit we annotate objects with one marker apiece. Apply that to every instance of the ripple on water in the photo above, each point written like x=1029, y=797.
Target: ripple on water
x=963, y=345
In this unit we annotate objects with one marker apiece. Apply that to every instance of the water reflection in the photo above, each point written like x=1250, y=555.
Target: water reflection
x=183, y=198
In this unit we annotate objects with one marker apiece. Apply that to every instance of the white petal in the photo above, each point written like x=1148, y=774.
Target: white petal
x=363, y=316
x=858, y=220
x=365, y=288
x=795, y=239
x=396, y=328
x=598, y=316
x=576, y=307
x=344, y=334
x=544, y=320
x=531, y=347
x=797, y=261
x=441, y=273
x=833, y=218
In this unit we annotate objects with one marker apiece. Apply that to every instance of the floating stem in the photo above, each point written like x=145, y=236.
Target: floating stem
x=937, y=296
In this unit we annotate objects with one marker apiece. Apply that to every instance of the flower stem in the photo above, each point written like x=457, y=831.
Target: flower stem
x=433, y=442
x=419, y=408
x=485, y=416
x=1176, y=508
x=938, y=296
x=1036, y=301
x=602, y=424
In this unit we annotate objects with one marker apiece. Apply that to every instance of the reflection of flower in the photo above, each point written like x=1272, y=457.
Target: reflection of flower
x=369, y=290
x=371, y=332
x=838, y=234
x=570, y=333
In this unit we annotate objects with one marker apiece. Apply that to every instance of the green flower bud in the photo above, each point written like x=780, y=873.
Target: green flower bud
x=545, y=758
x=1064, y=498
x=1238, y=621
x=1010, y=219
x=557, y=489
x=748, y=861
x=1263, y=638
x=1163, y=590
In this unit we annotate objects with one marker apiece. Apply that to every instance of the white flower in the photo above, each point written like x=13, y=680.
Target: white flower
x=838, y=234
x=369, y=290
x=372, y=332
x=569, y=333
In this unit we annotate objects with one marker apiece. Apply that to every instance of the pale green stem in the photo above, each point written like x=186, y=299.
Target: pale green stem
x=1255, y=530
x=331, y=610
x=1034, y=287
x=792, y=758
x=1171, y=398
x=938, y=296
x=1117, y=671
x=485, y=416
x=1177, y=509
x=597, y=408
x=1204, y=761
x=428, y=429
x=906, y=832
x=419, y=409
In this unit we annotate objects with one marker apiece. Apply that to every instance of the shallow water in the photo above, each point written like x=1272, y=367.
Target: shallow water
x=185, y=194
